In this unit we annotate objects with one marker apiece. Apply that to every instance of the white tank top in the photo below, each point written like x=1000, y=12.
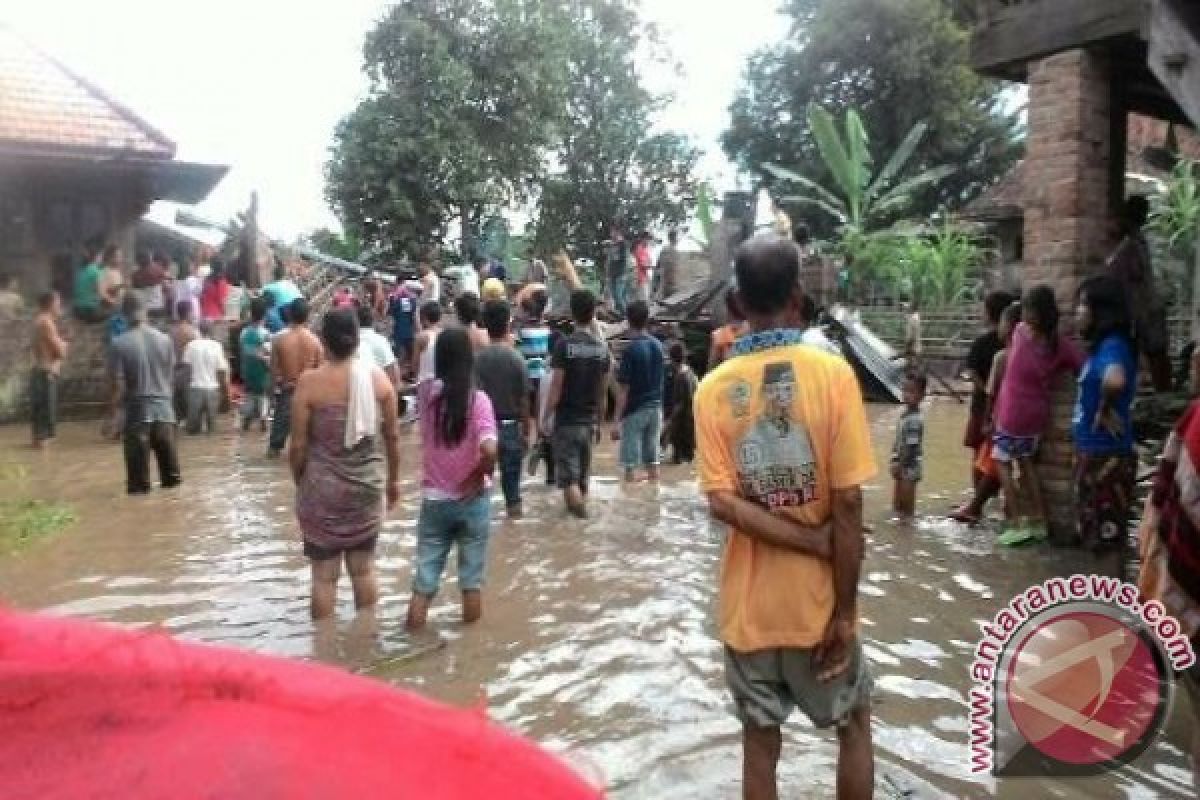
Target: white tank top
x=425, y=371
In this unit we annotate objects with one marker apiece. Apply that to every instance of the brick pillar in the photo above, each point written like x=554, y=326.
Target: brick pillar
x=1067, y=196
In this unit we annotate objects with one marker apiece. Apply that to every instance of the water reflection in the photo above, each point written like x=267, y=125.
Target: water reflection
x=598, y=638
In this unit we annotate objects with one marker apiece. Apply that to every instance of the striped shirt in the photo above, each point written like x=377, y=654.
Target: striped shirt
x=534, y=344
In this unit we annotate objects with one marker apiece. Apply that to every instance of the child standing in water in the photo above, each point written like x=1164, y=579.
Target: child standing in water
x=907, y=452
x=1037, y=352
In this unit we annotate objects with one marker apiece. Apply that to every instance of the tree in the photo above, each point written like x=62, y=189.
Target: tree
x=611, y=168
x=898, y=62
x=331, y=243
x=465, y=100
x=860, y=198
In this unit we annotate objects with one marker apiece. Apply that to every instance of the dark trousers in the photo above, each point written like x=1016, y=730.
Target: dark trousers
x=140, y=438
x=511, y=455
x=43, y=403
x=281, y=422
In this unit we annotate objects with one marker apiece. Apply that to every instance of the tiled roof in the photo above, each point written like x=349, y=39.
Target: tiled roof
x=47, y=108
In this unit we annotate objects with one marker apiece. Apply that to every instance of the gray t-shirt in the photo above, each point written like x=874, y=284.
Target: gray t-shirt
x=504, y=377
x=143, y=359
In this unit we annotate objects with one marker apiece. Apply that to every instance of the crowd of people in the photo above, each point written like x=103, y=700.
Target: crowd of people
x=777, y=429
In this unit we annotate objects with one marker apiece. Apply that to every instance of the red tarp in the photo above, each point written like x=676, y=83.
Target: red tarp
x=89, y=711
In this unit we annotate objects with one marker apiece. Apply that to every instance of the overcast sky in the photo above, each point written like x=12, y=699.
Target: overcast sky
x=260, y=84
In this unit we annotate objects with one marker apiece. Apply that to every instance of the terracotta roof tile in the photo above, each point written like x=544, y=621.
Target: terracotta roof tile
x=44, y=106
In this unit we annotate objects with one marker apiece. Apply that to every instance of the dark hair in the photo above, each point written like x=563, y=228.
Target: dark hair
x=454, y=366
x=132, y=306
x=732, y=305
x=466, y=307
x=110, y=252
x=1135, y=213
x=1011, y=314
x=160, y=258
x=6, y=278
x=918, y=378
x=1105, y=298
x=93, y=246
x=1042, y=305
x=767, y=267
x=583, y=306
x=496, y=316
x=366, y=316
x=339, y=332
x=46, y=299
x=258, y=308
x=801, y=234
x=218, y=269
x=142, y=259
x=677, y=352
x=297, y=311
x=994, y=305
x=808, y=310
x=672, y=236
x=431, y=312
x=638, y=314
x=205, y=328
x=278, y=273
x=537, y=302
x=183, y=309
x=479, y=261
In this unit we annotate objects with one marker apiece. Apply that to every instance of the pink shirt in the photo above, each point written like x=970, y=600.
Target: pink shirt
x=1023, y=406
x=445, y=468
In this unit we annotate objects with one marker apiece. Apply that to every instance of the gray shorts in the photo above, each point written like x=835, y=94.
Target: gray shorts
x=768, y=684
x=572, y=446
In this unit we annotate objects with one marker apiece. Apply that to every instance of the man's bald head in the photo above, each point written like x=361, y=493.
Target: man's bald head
x=768, y=274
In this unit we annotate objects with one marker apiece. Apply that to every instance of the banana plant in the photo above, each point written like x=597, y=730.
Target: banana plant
x=860, y=199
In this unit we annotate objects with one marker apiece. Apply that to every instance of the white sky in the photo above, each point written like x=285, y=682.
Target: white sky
x=260, y=84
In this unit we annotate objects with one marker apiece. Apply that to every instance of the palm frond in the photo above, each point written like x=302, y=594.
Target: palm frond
x=898, y=160
x=832, y=210
x=845, y=171
x=807, y=183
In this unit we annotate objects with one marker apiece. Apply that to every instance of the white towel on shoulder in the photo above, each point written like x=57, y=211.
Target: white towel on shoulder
x=362, y=412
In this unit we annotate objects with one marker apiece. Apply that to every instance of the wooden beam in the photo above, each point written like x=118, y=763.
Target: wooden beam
x=1173, y=36
x=1015, y=35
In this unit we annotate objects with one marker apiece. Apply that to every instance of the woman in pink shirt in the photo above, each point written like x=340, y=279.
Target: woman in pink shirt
x=1037, y=353
x=458, y=443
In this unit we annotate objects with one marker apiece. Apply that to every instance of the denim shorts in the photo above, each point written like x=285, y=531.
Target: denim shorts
x=639, y=437
x=1007, y=448
x=442, y=525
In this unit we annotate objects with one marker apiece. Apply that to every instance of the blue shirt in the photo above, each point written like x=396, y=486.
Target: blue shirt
x=402, y=308
x=273, y=320
x=641, y=371
x=534, y=343
x=1089, y=440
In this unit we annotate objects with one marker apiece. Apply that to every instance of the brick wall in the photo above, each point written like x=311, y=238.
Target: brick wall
x=84, y=387
x=1067, y=195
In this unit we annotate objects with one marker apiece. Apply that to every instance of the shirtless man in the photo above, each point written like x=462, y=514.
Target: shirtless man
x=292, y=352
x=49, y=350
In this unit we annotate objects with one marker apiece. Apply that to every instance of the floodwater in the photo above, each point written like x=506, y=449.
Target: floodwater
x=598, y=636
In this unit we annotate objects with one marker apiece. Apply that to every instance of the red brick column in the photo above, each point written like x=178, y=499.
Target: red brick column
x=1067, y=191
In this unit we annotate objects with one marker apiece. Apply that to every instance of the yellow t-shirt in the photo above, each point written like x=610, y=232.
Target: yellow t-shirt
x=783, y=427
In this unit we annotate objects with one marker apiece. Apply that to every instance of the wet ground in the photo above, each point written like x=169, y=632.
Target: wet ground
x=598, y=637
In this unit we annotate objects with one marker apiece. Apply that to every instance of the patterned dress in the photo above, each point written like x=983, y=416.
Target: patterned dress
x=340, y=499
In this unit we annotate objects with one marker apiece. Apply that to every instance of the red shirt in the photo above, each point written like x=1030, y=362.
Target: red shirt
x=641, y=258
x=212, y=299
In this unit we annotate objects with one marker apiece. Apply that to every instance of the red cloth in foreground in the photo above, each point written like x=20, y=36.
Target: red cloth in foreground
x=89, y=711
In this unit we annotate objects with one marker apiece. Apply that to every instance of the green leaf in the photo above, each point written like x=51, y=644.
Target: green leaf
x=898, y=160
x=821, y=191
x=832, y=210
x=846, y=173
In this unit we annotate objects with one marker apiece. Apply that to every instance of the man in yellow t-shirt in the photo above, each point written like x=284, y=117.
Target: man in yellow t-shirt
x=783, y=449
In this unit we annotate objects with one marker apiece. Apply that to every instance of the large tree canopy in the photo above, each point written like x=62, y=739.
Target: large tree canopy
x=479, y=105
x=900, y=63
x=612, y=168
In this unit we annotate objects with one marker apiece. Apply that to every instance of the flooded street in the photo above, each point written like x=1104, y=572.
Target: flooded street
x=598, y=636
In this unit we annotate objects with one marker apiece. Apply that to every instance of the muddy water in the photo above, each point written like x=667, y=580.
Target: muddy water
x=598, y=637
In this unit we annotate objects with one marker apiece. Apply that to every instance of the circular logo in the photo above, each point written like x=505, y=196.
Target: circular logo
x=1087, y=687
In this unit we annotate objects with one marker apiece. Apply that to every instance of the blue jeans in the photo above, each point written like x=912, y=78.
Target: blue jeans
x=512, y=456
x=443, y=524
x=639, y=437
x=618, y=287
x=281, y=422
